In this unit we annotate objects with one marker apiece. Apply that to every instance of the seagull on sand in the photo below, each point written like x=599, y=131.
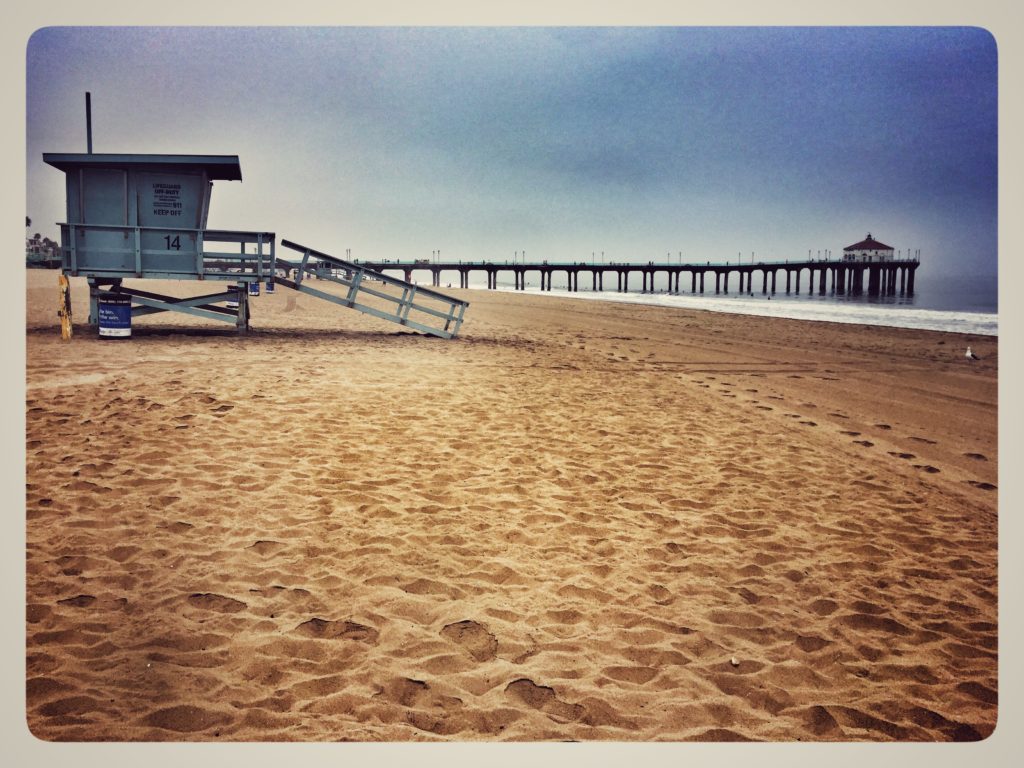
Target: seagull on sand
x=970, y=355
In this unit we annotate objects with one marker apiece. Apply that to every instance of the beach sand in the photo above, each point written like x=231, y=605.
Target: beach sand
x=576, y=521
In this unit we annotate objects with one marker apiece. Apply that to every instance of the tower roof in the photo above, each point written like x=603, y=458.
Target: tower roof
x=868, y=244
x=216, y=166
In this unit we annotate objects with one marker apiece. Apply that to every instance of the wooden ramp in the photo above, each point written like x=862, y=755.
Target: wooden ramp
x=373, y=293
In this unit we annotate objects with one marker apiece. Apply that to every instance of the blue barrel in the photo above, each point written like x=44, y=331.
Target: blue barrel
x=232, y=303
x=270, y=286
x=254, y=289
x=115, y=316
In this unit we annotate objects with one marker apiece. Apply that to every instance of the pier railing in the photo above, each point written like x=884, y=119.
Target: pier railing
x=847, y=276
x=659, y=265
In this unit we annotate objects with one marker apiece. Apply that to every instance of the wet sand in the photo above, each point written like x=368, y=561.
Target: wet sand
x=578, y=520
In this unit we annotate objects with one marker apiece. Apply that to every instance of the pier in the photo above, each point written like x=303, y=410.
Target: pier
x=879, y=278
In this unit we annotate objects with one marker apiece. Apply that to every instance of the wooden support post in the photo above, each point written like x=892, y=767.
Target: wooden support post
x=64, y=308
x=242, y=322
x=94, y=305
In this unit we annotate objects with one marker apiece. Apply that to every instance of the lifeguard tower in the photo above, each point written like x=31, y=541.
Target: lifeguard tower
x=145, y=216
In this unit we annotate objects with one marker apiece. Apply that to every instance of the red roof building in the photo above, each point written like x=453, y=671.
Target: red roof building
x=868, y=249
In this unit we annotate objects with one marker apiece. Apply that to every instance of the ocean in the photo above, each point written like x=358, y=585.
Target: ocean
x=958, y=304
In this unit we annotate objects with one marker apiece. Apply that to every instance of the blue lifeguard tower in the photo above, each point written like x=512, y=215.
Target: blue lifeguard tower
x=145, y=216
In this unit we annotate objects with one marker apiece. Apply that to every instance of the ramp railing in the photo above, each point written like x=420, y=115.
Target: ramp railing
x=374, y=293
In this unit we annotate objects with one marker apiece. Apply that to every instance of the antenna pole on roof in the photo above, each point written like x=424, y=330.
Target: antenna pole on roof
x=88, y=120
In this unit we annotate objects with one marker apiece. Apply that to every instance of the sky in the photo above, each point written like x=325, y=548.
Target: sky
x=641, y=143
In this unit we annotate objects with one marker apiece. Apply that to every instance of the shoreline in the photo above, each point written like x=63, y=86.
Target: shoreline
x=982, y=320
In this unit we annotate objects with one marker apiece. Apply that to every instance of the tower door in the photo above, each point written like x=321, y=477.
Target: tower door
x=104, y=200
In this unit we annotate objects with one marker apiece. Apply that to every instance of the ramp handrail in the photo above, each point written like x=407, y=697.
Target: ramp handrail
x=356, y=286
x=354, y=267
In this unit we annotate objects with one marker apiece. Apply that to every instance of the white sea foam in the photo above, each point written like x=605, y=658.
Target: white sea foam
x=809, y=308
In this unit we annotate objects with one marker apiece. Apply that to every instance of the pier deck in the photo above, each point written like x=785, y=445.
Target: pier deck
x=886, y=278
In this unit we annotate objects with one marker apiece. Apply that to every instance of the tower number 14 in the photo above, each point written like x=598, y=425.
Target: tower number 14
x=174, y=243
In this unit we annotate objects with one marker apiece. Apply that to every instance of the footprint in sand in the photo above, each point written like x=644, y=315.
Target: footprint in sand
x=923, y=440
x=78, y=601
x=927, y=468
x=849, y=432
x=902, y=455
x=981, y=485
x=865, y=443
x=544, y=699
x=660, y=594
x=635, y=675
x=809, y=423
x=474, y=639
x=764, y=407
x=219, y=603
x=186, y=719
x=839, y=415
x=976, y=456
x=883, y=426
x=344, y=630
x=407, y=692
x=811, y=643
x=823, y=606
x=265, y=547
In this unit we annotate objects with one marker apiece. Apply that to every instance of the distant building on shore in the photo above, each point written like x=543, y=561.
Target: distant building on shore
x=41, y=252
x=868, y=249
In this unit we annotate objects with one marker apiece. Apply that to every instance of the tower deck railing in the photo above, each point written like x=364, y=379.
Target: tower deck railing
x=122, y=251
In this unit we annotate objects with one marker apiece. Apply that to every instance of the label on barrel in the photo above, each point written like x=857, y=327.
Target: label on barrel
x=115, y=319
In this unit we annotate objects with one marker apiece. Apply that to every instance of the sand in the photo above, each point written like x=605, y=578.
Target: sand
x=576, y=521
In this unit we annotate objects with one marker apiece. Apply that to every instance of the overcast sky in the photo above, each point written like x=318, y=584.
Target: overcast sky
x=480, y=142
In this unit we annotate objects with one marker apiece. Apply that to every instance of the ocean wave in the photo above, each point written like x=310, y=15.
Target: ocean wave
x=831, y=311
